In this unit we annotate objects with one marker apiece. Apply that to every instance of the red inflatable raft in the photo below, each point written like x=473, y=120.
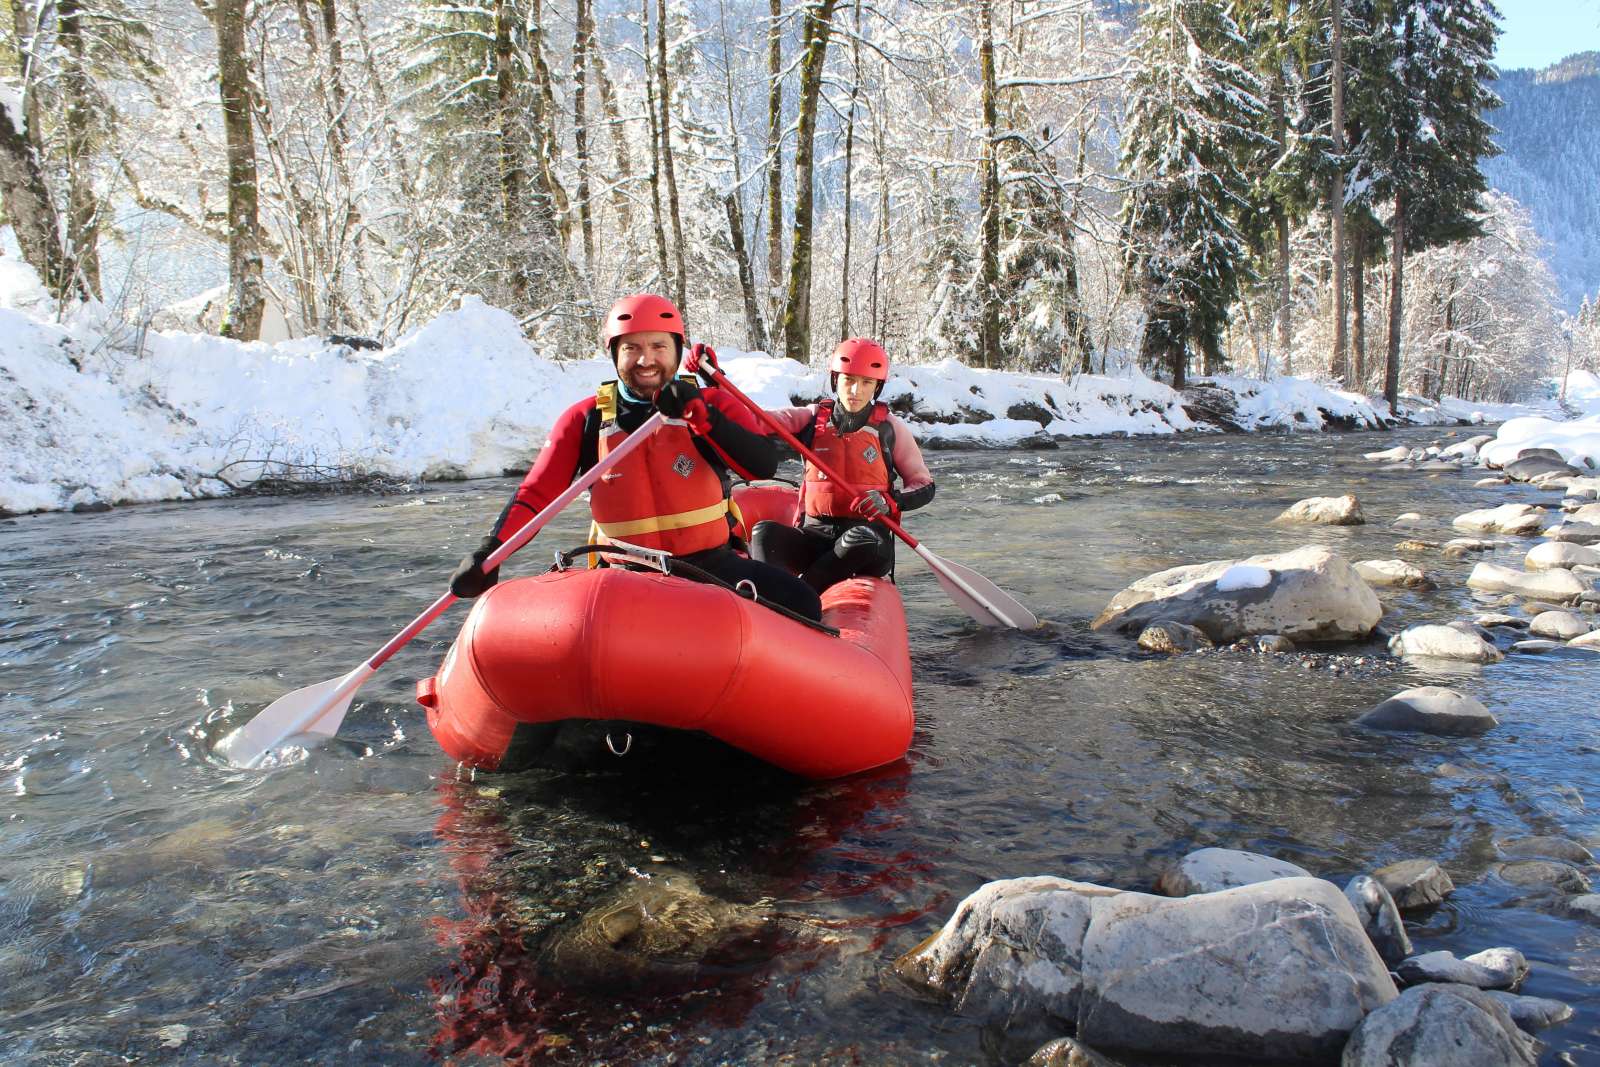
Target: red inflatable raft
x=608, y=652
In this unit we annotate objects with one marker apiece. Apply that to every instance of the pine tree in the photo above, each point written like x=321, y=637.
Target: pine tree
x=1421, y=77
x=1192, y=122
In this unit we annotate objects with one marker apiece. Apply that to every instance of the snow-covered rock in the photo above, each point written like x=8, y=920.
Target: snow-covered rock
x=1311, y=595
x=1576, y=442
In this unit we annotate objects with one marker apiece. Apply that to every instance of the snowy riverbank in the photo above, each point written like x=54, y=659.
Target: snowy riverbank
x=92, y=414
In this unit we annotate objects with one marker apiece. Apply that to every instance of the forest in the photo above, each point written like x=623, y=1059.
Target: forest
x=1054, y=186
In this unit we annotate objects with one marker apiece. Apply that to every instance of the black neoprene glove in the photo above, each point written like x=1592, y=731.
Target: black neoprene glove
x=469, y=579
x=676, y=396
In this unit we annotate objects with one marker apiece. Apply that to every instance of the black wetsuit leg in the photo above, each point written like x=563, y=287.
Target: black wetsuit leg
x=784, y=546
x=860, y=550
x=771, y=583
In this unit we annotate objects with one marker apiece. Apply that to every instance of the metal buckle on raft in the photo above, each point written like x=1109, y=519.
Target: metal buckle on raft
x=627, y=744
x=651, y=558
x=745, y=588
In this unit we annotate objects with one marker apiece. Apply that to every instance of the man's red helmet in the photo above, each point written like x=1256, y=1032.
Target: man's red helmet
x=640, y=312
x=861, y=357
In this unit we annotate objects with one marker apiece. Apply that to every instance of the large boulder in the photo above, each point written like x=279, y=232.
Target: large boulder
x=1308, y=594
x=1560, y=586
x=1507, y=518
x=1560, y=625
x=1440, y=1026
x=1325, y=510
x=1279, y=971
x=1209, y=870
x=1431, y=709
x=1444, y=642
x=1527, y=468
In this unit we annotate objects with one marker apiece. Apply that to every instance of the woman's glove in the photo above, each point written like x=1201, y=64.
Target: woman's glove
x=874, y=504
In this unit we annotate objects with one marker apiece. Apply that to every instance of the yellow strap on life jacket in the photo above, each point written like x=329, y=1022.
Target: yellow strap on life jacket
x=657, y=523
x=605, y=398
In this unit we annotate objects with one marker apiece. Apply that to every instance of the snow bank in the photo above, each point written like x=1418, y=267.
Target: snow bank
x=89, y=415
x=1577, y=441
x=1583, y=392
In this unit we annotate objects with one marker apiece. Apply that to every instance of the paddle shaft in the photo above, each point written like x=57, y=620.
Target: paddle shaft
x=722, y=382
x=522, y=536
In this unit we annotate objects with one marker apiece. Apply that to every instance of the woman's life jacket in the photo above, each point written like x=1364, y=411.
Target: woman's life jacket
x=861, y=458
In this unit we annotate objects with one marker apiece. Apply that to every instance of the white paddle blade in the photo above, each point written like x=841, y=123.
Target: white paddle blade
x=316, y=709
x=985, y=602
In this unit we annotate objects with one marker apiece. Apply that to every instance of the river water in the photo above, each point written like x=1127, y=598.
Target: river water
x=368, y=904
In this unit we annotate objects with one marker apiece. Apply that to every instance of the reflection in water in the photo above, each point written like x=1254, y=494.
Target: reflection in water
x=584, y=941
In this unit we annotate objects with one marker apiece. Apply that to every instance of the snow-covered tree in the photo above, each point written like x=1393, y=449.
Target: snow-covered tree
x=1193, y=119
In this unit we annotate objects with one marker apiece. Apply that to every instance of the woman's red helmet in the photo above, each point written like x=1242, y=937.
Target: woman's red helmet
x=861, y=357
x=640, y=312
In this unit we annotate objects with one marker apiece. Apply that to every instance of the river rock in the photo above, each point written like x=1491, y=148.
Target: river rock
x=1440, y=1026
x=1589, y=641
x=1556, y=585
x=1389, y=455
x=1209, y=870
x=1527, y=468
x=1325, y=511
x=1532, y=1014
x=1585, y=906
x=1562, y=625
x=1278, y=970
x=1274, y=643
x=1411, y=520
x=1495, y=618
x=1415, y=544
x=1493, y=968
x=1546, y=874
x=1384, y=572
x=1544, y=847
x=1489, y=483
x=1415, y=883
x=1431, y=709
x=1536, y=646
x=1543, y=557
x=1589, y=513
x=1443, y=642
x=1308, y=594
x=1066, y=1052
x=1379, y=917
x=1579, y=533
x=1507, y=518
x=1467, y=449
x=1173, y=637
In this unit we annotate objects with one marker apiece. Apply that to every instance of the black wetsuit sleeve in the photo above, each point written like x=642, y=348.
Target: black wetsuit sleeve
x=915, y=499
x=754, y=454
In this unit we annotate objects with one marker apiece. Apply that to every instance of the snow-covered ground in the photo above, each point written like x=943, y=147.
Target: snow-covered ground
x=90, y=413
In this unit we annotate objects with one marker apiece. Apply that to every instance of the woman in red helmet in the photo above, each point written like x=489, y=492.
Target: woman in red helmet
x=868, y=447
x=672, y=492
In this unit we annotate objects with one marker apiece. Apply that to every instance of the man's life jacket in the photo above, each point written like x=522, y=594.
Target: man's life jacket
x=861, y=458
x=665, y=494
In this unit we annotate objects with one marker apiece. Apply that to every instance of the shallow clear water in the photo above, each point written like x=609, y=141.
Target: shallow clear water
x=366, y=905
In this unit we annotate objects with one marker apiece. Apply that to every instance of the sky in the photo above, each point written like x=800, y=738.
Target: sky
x=1537, y=33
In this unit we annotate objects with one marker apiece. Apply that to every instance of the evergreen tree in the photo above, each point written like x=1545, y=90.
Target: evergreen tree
x=1420, y=75
x=1193, y=117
